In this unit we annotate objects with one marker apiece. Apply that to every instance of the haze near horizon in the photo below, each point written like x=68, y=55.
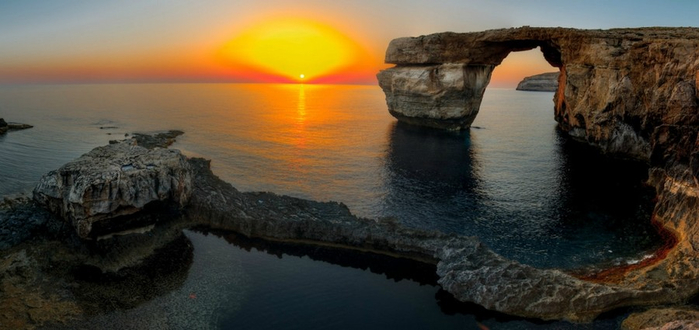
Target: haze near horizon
x=306, y=41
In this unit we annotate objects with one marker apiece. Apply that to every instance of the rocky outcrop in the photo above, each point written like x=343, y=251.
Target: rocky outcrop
x=444, y=96
x=467, y=269
x=631, y=93
x=5, y=126
x=544, y=82
x=99, y=191
x=615, y=87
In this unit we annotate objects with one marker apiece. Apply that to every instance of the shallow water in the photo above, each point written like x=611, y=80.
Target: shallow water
x=238, y=283
x=514, y=181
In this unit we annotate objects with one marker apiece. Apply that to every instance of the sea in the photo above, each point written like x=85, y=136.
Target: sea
x=513, y=180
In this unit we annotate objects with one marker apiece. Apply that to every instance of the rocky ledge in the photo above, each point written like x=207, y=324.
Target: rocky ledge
x=6, y=127
x=543, y=82
x=113, y=196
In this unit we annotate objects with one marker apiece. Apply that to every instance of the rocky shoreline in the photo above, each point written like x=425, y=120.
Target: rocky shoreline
x=466, y=268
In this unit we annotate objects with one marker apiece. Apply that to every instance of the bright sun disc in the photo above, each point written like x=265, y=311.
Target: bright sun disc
x=286, y=47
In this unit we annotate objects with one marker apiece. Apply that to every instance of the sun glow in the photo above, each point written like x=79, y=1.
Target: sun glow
x=287, y=47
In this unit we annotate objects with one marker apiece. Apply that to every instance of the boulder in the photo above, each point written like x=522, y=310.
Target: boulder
x=105, y=190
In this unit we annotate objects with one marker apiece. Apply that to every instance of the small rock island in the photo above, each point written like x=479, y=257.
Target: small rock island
x=6, y=127
x=543, y=82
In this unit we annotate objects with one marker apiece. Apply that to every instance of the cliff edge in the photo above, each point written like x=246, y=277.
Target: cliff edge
x=543, y=82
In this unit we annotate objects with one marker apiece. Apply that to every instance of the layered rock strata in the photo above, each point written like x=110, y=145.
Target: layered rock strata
x=632, y=93
x=544, y=82
x=615, y=86
x=98, y=192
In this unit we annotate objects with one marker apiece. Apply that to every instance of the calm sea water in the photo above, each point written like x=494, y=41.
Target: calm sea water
x=514, y=181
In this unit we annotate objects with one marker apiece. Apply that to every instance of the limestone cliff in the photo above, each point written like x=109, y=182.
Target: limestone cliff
x=616, y=86
x=544, y=82
x=632, y=93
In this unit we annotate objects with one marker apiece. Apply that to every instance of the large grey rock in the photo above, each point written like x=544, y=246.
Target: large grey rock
x=543, y=82
x=97, y=192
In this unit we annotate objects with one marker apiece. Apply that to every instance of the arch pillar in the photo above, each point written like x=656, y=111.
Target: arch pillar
x=445, y=96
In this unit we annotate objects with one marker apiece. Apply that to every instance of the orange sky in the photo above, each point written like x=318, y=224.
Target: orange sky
x=230, y=41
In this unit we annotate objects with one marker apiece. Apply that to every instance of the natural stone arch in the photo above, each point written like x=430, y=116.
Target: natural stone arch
x=448, y=95
x=615, y=88
x=630, y=92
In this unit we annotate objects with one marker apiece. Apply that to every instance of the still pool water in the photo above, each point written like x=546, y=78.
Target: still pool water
x=514, y=181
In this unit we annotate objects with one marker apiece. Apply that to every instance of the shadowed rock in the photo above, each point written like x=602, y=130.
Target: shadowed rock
x=98, y=192
x=632, y=93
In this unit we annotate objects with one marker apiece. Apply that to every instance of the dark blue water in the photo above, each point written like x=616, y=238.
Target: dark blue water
x=515, y=182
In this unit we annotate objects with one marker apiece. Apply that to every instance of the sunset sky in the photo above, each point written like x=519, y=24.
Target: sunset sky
x=274, y=41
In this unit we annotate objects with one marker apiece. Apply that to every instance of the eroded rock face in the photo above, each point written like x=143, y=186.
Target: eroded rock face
x=444, y=96
x=632, y=93
x=616, y=86
x=544, y=82
x=98, y=192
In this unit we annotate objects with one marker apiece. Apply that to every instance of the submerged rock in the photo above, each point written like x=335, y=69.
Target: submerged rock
x=99, y=192
x=544, y=82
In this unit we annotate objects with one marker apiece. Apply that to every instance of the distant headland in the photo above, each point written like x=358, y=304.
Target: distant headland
x=543, y=82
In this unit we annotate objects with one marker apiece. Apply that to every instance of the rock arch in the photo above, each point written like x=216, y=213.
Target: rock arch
x=632, y=93
x=616, y=86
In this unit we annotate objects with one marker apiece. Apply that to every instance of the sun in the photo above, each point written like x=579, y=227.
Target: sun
x=286, y=47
